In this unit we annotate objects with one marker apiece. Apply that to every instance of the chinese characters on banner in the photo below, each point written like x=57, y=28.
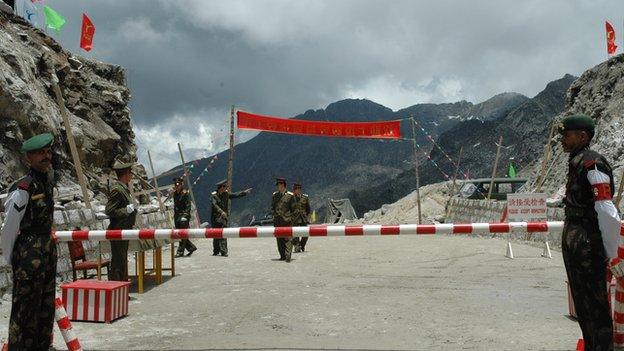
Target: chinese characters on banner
x=526, y=207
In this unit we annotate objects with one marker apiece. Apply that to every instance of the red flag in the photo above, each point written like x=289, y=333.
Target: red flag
x=87, y=33
x=611, y=47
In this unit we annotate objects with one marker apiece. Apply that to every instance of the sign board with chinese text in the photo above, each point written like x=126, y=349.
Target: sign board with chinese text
x=526, y=207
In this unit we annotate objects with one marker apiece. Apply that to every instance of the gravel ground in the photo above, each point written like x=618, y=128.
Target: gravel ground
x=380, y=293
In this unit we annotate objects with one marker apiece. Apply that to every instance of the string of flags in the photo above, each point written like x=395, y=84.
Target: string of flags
x=209, y=166
x=446, y=155
x=29, y=10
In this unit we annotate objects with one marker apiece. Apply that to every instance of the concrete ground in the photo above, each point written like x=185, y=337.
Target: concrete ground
x=376, y=293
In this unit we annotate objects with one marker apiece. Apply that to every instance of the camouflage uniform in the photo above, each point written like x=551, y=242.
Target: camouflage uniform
x=302, y=213
x=283, y=208
x=218, y=217
x=34, y=260
x=118, y=198
x=583, y=251
x=182, y=209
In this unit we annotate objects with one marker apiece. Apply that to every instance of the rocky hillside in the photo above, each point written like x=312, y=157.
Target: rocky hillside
x=95, y=95
x=599, y=93
x=332, y=167
x=524, y=130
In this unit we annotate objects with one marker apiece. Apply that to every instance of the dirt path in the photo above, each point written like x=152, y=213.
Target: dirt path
x=377, y=293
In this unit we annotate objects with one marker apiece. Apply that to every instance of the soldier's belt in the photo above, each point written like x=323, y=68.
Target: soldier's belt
x=579, y=212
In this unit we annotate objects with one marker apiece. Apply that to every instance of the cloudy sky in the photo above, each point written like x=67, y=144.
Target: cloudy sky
x=188, y=61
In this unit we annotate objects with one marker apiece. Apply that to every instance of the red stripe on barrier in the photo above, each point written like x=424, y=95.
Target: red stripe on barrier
x=618, y=317
x=58, y=303
x=462, y=229
x=73, y=345
x=113, y=234
x=318, y=230
x=147, y=233
x=80, y=235
x=618, y=338
x=354, y=230
x=390, y=230
x=248, y=232
x=64, y=323
x=283, y=232
x=426, y=229
x=621, y=252
x=180, y=234
x=499, y=227
x=621, y=229
x=537, y=227
x=214, y=233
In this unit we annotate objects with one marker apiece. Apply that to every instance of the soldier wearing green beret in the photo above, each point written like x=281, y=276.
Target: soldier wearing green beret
x=182, y=215
x=29, y=248
x=591, y=231
x=283, y=208
x=301, y=216
x=122, y=213
x=219, y=213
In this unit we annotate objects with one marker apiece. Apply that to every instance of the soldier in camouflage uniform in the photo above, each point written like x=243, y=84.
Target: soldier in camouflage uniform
x=122, y=213
x=301, y=216
x=28, y=246
x=219, y=213
x=591, y=232
x=283, y=208
x=182, y=215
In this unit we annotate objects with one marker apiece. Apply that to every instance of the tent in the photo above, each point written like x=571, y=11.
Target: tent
x=339, y=211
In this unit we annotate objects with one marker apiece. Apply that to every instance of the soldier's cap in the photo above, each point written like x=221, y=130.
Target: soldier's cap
x=178, y=180
x=296, y=185
x=280, y=181
x=38, y=142
x=221, y=183
x=577, y=122
x=120, y=163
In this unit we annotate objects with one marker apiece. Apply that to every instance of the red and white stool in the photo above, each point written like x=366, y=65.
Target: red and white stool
x=96, y=300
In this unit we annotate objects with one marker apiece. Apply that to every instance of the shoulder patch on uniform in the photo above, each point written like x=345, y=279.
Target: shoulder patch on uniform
x=24, y=183
x=589, y=163
x=289, y=193
x=275, y=192
x=213, y=193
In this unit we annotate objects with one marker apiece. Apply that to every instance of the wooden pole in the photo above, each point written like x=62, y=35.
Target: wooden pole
x=547, y=154
x=230, y=171
x=619, y=192
x=164, y=211
x=461, y=150
x=72, y=142
x=500, y=144
x=416, y=169
x=188, y=182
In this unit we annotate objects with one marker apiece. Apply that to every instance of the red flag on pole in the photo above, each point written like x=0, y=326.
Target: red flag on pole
x=87, y=33
x=611, y=47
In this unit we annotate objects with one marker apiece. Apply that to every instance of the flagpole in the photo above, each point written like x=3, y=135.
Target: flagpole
x=230, y=170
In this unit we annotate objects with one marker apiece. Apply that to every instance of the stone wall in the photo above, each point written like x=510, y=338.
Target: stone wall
x=68, y=219
x=483, y=211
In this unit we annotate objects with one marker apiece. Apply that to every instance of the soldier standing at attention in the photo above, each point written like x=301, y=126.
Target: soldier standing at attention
x=29, y=248
x=182, y=215
x=283, y=208
x=120, y=209
x=591, y=232
x=219, y=213
x=302, y=215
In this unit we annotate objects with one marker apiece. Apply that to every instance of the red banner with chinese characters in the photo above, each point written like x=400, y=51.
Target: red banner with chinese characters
x=377, y=130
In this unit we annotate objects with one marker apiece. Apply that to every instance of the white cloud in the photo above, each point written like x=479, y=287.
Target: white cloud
x=396, y=94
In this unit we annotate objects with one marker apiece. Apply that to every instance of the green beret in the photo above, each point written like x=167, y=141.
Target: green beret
x=38, y=142
x=221, y=183
x=577, y=122
x=120, y=163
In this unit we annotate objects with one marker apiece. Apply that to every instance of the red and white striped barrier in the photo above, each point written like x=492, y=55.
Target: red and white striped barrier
x=65, y=326
x=310, y=231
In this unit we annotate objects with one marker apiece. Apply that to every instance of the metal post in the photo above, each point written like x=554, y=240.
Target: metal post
x=461, y=150
x=188, y=182
x=416, y=169
x=230, y=171
x=72, y=142
x=499, y=145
